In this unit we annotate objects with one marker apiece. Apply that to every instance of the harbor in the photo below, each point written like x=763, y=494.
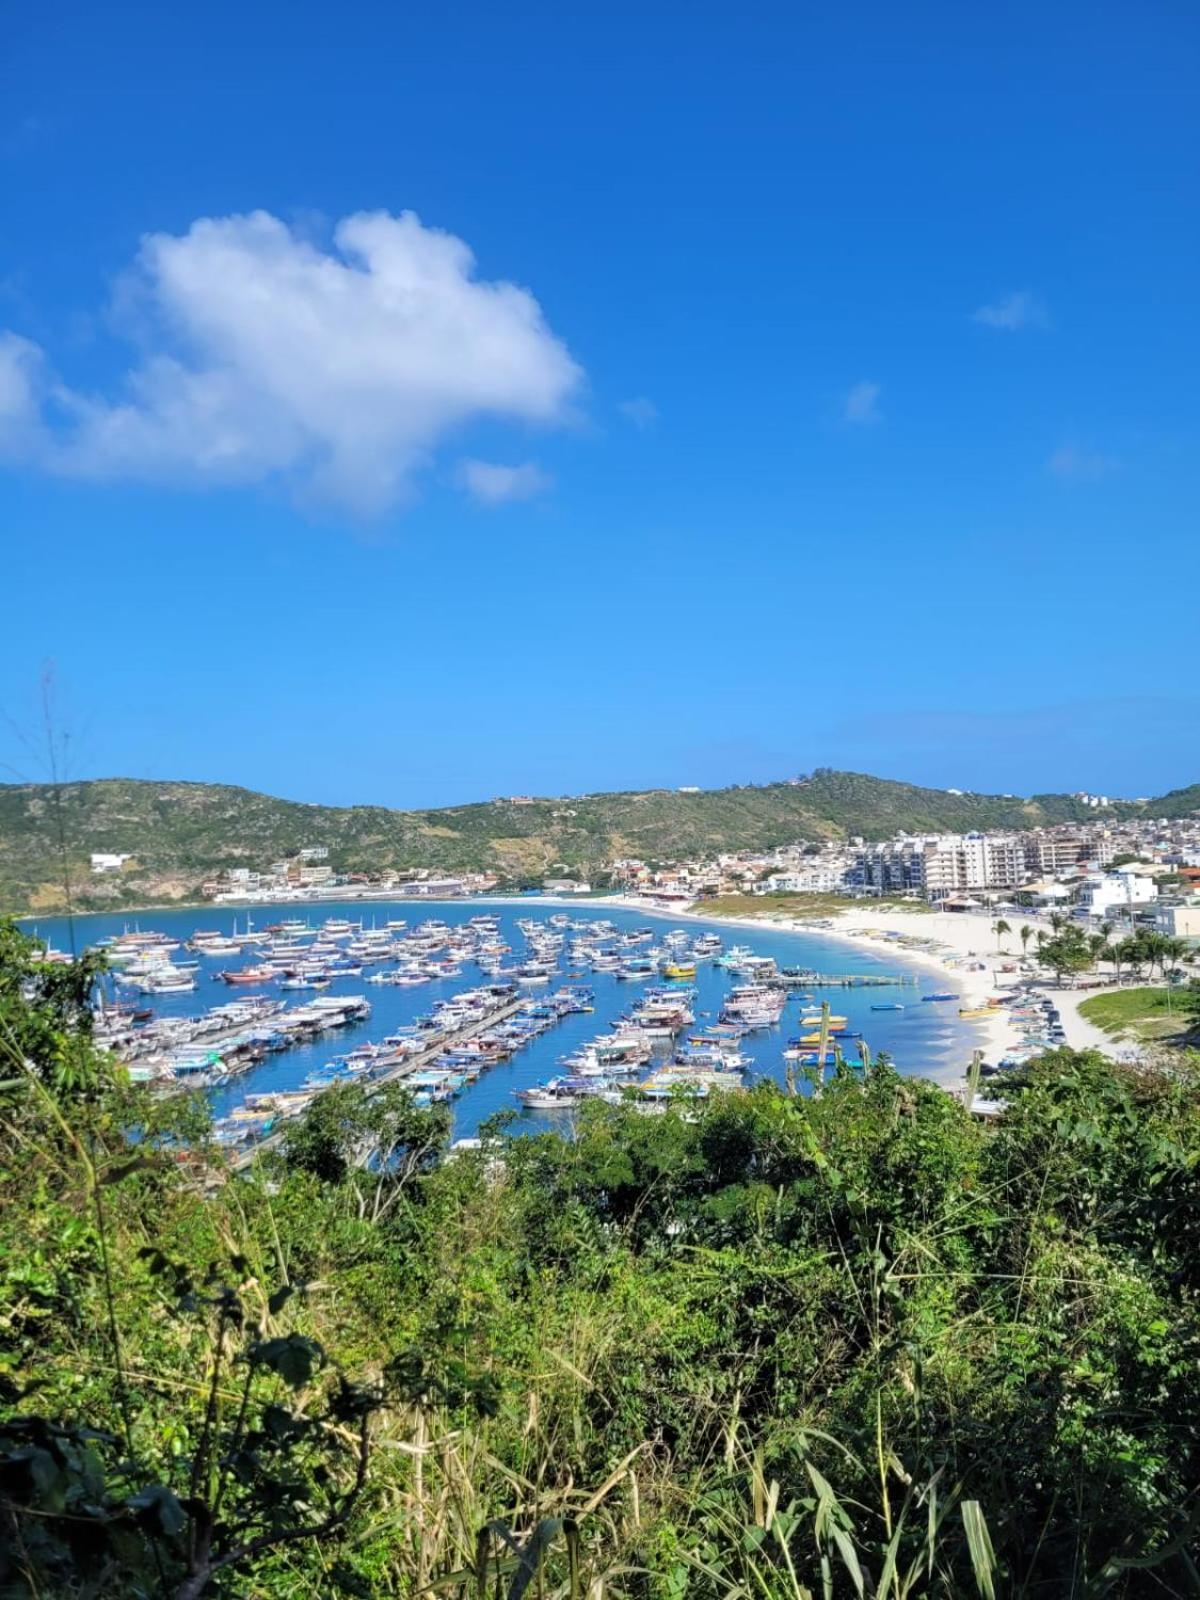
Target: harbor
x=404, y=963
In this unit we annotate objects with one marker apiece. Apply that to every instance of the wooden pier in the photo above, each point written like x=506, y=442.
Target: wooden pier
x=240, y=1159
x=840, y=980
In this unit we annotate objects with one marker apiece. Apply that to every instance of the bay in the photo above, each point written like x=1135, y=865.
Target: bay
x=923, y=1040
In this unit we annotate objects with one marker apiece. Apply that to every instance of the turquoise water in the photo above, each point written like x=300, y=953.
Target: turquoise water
x=923, y=1039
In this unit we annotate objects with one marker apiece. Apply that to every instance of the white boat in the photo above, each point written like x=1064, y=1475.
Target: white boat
x=547, y=1098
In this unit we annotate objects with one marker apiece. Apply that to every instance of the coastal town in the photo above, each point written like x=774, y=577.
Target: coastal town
x=985, y=919
x=1144, y=871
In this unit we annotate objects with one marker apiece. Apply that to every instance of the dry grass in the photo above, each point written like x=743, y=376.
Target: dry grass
x=804, y=906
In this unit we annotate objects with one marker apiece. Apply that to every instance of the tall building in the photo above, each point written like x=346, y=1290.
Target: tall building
x=941, y=865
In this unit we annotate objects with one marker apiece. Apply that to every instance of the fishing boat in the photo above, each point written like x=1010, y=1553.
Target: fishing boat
x=887, y=1005
x=679, y=971
x=552, y=1096
x=167, y=980
x=928, y=997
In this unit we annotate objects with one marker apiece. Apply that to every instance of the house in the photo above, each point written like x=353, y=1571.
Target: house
x=103, y=861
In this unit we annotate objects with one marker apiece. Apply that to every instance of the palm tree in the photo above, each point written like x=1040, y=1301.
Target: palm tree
x=1173, y=951
x=1131, y=953
x=1000, y=928
x=1025, y=935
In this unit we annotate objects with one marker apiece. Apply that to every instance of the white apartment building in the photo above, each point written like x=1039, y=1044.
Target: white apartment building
x=1115, y=892
x=940, y=865
x=994, y=861
x=819, y=878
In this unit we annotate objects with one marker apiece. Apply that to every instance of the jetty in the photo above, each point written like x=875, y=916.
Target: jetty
x=400, y=1069
x=840, y=980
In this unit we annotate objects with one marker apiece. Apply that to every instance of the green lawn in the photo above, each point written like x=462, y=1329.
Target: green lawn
x=1143, y=1013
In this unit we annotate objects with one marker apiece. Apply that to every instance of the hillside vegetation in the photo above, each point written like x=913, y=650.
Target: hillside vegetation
x=181, y=833
x=847, y=1344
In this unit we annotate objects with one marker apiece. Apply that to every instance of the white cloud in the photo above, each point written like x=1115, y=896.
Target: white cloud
x=1013, y=312
x=643, y=413
x=22, y=379
x=1079, y=465
x=862, y=403
x=492, y=484
x=338, y=372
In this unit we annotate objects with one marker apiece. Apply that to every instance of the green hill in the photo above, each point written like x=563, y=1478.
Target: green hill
x=179, y=834
x=1176, y=803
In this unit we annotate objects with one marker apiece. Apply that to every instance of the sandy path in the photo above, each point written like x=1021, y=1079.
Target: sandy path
x=1082, y=1034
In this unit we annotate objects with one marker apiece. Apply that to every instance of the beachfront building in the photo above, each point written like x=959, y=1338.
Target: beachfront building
x=939, y=866
x=819, y=878
x=1062, y=853
x=1101, y=898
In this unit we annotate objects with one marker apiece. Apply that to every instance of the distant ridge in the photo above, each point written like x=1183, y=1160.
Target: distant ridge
x=179, y=834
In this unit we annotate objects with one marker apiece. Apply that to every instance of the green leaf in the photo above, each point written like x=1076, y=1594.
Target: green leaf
x=159, y=1508
x=293, y=1357
x=979, y=1543
x=849, y=1558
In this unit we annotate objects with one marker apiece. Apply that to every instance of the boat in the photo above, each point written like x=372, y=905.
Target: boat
x=928, y=997
x=552, y=1096
x=887, y=1005
x=680, y=971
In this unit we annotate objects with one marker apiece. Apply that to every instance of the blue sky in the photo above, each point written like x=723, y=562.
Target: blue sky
x=844, y=410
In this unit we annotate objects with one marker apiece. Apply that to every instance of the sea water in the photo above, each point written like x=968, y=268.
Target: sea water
x=923, y=1039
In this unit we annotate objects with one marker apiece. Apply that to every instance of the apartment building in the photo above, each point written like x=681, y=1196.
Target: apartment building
x=1116, y=894
x=940, y=865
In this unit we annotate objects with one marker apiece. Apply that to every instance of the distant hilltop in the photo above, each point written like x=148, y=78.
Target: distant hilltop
x=163, y=841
